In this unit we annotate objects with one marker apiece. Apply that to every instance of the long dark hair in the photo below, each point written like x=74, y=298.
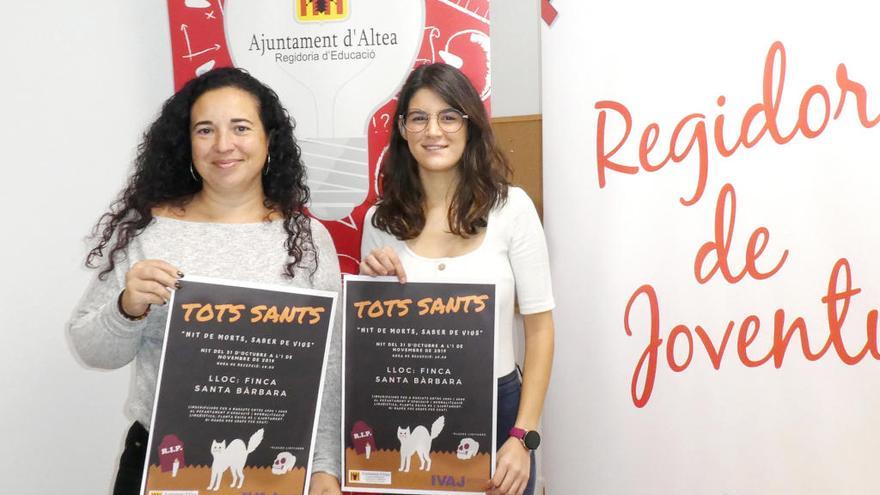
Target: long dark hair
x=484, y=171
x=162, y=173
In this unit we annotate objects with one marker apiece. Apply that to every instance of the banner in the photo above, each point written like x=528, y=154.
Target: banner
x=239, y=389
x=419, y=392
x=711, y=175
x=337, y=66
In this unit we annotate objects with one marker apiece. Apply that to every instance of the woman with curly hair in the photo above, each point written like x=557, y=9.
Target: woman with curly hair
x=218, y=190
x=448, y=213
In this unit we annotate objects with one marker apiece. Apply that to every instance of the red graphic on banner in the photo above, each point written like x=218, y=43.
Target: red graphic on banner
x=548, y=12
x=198, y=42
x=455, y=32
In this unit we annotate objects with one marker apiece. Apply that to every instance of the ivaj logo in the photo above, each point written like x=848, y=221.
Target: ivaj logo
x=321, y=10
x=446, y=480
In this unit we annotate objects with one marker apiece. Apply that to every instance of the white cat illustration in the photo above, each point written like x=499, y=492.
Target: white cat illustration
x=418, y=442
x=231, y=457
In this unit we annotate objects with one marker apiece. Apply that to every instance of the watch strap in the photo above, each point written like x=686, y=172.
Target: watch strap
x=517, y=433
x=529, y=438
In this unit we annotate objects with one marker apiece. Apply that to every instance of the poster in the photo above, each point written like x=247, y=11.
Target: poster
x=239, y=389
x=419, y=392
x=337, y=66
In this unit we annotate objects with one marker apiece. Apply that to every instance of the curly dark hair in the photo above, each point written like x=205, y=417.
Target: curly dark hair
x=484, y=170
x=162, y=172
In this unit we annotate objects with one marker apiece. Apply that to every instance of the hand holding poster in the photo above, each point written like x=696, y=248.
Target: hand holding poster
x=418, y=386
x=240, y=383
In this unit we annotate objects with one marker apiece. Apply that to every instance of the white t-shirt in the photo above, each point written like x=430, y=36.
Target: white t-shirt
x=513, y=255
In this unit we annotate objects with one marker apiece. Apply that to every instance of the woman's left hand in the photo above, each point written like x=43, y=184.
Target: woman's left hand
x=324, y=484
x=511, y=469
x=383, y=261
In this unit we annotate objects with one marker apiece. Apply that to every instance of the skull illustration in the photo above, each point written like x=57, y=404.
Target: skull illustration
x=467, y=448
x=284, y=462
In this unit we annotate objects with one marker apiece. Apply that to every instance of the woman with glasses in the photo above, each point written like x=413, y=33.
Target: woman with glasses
x=448, y=213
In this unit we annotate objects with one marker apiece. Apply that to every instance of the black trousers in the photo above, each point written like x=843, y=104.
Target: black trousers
x=509, y=388
x=131, y=464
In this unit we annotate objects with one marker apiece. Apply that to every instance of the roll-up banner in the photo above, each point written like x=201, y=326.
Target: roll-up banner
x=711, y=177
x=337, y=66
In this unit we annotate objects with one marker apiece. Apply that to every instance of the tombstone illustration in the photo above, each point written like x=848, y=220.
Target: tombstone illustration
x=362, y=438
x=171, y=454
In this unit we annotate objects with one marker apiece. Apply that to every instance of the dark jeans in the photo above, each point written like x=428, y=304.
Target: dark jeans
x=131, y=464
x=508, y=405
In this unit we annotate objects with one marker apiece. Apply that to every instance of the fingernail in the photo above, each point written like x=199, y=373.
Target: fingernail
x=177, y=284
x=180, y=274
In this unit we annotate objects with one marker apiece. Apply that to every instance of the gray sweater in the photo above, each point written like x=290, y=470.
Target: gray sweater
x=254, y=252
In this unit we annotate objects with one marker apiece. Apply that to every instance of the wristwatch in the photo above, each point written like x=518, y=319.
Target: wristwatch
x=530, y=439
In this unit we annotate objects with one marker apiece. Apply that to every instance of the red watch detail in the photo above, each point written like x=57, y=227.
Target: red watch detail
x=517, y=433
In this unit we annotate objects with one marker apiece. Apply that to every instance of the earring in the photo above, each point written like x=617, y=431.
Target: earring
x=268, y=163
x=192, y=171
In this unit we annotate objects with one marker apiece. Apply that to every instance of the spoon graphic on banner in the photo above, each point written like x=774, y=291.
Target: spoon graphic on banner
x=332, y=67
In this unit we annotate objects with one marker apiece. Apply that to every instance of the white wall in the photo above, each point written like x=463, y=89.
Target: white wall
x=515, y=33
x=81, y=81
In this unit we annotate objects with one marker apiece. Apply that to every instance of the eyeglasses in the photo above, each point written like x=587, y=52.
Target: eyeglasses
x=449, y=120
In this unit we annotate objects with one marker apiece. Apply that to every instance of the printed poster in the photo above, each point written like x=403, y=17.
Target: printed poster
x=419, y=392
x=337, y=66
x=239, y=390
